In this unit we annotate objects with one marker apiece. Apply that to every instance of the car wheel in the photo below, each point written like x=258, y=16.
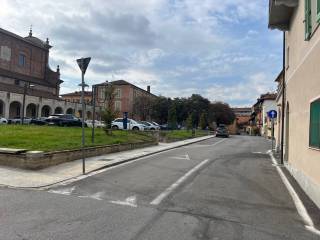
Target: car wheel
x=135, y=129
x=115, y=127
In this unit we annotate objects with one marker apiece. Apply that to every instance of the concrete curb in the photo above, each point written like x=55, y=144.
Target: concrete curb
x=112, y=164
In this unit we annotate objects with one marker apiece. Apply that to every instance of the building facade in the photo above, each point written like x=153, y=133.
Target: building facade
x=28, y=87
x=75, y=97
x=126, y=96
x=260, y=122
x=242, y=120
x=300, y=20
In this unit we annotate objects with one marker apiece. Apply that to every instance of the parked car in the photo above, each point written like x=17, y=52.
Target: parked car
x=150, y=125
x=17, y=120
x=97, y=124
x=132, y=124
x=222, y=131
x=39, y=121
x=3, y=121
x=65, y=120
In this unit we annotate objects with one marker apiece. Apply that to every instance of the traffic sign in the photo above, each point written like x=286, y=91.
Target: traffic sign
x=83, y=64
x=272, y=114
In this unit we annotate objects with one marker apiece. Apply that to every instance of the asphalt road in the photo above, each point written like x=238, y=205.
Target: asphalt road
x=215, y=189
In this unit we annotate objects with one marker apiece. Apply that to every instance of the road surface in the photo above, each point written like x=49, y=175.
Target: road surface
x=215, y=189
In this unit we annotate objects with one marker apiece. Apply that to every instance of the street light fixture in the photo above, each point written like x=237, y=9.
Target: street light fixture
x=24, y=99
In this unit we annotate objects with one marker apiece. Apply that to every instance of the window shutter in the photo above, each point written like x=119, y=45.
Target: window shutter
x=308, y=19
x=315, y=124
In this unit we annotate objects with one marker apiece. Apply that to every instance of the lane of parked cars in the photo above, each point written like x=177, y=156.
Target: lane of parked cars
x=69, y=120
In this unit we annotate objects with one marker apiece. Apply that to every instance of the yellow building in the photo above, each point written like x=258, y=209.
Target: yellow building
x=300, y=19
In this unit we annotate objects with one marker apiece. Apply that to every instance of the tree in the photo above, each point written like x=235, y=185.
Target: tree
x=197, y=104
x=142, y=107
x=221, y=113
x=189, y=121
x=172, y=117
x=109, y=113
x=203, y=121
x=160, y=109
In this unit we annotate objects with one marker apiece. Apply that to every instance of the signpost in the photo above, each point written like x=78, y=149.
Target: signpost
x=83, y=65
x=272, y=115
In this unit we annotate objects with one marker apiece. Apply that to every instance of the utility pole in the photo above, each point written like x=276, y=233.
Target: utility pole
x=283, y=96
x=83, y=64
x=24, y=100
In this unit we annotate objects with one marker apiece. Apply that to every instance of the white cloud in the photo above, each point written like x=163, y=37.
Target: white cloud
x=247, y=91
x=179, y=47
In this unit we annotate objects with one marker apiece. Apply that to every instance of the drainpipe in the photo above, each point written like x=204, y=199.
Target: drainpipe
x=283, y=95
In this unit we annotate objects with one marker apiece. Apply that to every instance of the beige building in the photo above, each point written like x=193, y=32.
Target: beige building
x=300, y=20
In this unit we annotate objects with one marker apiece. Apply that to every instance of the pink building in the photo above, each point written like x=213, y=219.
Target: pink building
x=126, y=95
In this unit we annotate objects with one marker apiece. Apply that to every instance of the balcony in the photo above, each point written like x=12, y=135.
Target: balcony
x=280, y=12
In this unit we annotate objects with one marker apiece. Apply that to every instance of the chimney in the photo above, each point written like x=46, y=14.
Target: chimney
x=148, y=89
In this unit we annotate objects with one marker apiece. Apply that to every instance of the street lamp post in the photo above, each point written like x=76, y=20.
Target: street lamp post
x=24, y=99
x=83, y=64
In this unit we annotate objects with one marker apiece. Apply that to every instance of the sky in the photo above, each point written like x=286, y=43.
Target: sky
x=222, y=50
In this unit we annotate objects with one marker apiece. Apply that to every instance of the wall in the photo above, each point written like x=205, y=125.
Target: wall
x=302, y=79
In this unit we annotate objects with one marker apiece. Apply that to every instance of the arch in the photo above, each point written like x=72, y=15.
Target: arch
x=89, y=115
x=2, y=108
x=45, y=111
x=70, y=111
x=15, y=110
x=31, y=110
x=58, y=110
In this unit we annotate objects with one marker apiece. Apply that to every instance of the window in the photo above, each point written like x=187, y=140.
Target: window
x=117, y=105
x=22, y=60
x=118, y=93
x=307, y=20
x=16, y=82
x=314, y=134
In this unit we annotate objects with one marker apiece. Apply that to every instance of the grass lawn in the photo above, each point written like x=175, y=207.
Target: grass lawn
x=49, y=138
x=184, y=134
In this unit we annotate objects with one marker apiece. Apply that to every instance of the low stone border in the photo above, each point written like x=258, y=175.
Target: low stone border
x=38, y=160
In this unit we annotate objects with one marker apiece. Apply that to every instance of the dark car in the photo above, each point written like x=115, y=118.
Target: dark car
x=222, y=131
x=39, y=121
x=65, y=120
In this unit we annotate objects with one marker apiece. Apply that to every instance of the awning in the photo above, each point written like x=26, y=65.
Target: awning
x=280, y=12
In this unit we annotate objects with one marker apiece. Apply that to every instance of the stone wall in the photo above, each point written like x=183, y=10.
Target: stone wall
x=39, y=160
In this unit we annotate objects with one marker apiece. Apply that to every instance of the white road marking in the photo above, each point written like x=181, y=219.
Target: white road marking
x=183, y=157
x=309, y=225
x=75, y=179
x=257, y=152
x=130, y=201
x=96, y=196
x=170, y=189
x=64, y=191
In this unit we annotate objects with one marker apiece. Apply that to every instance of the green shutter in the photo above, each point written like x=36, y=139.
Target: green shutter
x=315, y=124
x=307, y=20
x=318, y=10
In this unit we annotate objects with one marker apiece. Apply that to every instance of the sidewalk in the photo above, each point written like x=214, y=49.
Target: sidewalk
x=20, y=178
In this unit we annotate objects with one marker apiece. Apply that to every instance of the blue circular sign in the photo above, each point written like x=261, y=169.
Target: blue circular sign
x=272, y=114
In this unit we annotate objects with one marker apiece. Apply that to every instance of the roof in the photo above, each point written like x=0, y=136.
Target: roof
x=280, y=76
x=123, y=82
x=76, y=93
x=280, y=13
x=29, y=39
x=268, y=96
